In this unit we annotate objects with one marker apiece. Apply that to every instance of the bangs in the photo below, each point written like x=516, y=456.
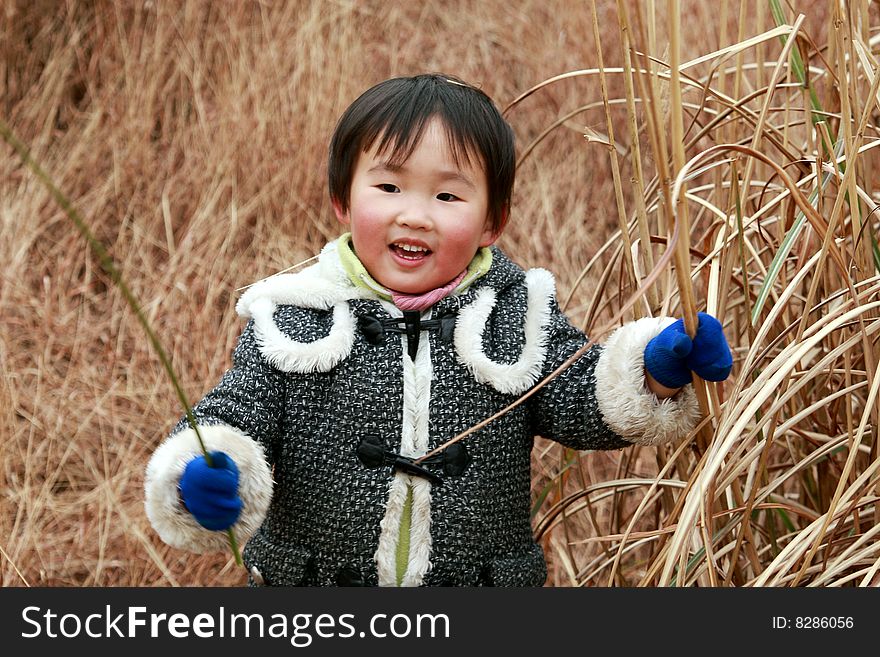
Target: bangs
x=397, y=135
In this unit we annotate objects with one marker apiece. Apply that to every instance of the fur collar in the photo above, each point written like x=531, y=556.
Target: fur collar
x=325, y=286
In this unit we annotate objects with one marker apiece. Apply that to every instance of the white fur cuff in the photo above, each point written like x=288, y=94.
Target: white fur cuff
x=174, y=524
x=627, y=405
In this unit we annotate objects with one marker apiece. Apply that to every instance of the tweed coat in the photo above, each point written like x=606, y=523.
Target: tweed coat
x=324, y=367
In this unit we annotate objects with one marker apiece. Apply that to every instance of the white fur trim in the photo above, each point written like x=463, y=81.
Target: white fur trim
x=627, y=405
x=174, y=524
x=306, y=288
x=513, y=378
x=320, y=286
x=323, y=286
x=389, y=534
x=413, y=443
x=288, y=355
x=419, y=534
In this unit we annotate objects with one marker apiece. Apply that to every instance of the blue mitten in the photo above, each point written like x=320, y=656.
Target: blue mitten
x=672, y=355
x=210, y=493
x=710, y=358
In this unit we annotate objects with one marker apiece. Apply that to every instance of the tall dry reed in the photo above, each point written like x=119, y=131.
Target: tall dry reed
x=779, y=485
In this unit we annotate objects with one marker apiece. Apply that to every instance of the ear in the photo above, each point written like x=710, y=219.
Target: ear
x=341, y=215
x=490, y=234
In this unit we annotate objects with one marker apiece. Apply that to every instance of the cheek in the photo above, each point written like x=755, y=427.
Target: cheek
x=467, y=231
x=368, y=233
x=365, y=221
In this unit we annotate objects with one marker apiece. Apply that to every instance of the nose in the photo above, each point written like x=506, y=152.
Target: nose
x=415, y=214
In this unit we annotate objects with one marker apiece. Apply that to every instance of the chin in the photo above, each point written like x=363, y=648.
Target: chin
x=410, y=289
x=406, y=284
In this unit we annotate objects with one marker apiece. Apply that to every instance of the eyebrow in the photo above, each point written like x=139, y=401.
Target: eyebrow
x=443, y=175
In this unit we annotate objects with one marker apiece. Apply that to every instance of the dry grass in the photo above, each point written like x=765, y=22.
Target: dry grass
x=193, y=141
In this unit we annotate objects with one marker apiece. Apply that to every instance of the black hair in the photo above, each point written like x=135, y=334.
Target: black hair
x=396, y=113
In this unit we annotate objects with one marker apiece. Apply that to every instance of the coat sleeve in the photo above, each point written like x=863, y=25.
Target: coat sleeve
x=601, y=401
x=240, y=416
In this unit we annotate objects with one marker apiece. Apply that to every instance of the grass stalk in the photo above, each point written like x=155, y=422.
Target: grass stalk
x=615, y=164
x=638, y=173
x=107, y=264
x=679, y=209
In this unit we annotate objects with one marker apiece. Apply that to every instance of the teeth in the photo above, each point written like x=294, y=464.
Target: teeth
x=411, y=247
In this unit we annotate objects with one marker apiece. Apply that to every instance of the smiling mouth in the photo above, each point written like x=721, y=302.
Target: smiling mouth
x=409, y=251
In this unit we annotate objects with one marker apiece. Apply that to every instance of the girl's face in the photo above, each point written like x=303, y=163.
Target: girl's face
x=415, y=227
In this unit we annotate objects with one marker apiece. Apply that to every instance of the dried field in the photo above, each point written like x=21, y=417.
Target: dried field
x=191, y=137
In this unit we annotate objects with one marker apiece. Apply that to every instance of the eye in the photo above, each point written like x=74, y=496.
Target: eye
x=388, y=187
x=447, y=197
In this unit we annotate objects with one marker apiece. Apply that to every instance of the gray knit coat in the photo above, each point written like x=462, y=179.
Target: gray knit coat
x=310, y=384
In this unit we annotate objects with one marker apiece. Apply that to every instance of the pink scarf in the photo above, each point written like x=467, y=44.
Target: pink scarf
x=427, y=299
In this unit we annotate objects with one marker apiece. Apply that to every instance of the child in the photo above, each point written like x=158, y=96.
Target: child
x=411, y=328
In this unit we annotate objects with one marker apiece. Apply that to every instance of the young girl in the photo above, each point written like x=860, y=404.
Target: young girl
x=411, y=328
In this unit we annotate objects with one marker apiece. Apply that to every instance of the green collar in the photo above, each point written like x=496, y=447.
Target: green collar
x=360, y=277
